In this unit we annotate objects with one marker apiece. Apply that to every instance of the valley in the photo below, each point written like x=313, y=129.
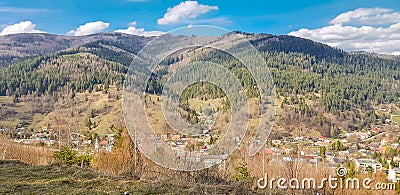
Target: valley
x=332, y=107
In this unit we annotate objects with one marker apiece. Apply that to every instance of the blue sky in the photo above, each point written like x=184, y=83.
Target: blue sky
x=260, y=16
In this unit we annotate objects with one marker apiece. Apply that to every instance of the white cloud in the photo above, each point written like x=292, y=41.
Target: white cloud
x=89, y=28
x=184, y=11
x=138, y=31
x=372, y=34
x=368, y=16
x=22, y=27
x=21, y=10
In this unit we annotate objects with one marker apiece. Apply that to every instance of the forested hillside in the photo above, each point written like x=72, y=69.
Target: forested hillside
x=322, y=88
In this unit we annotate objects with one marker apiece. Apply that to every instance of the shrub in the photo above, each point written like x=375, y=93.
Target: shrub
x=70, y=157
x=242, y=173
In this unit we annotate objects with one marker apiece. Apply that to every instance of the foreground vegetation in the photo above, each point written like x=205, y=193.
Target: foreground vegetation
x=19, y=178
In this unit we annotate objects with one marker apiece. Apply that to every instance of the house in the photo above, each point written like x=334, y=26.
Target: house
x=176, y=137
x=319, y=143
x=210, y=160
x=363, y=135
x=375, y=130
x=164, y=137
x=383, y=109
x=363, y=164
x=274, y=149
x=396, y=159
x=385, y=141
x=288, y=140
x=276, y=142
x=111, y=136
x=393, y=174
x=87, y=142
x=172, y=143
x=109, y=148
x=269, y=151
x=381, y=149
x=96, y=145
x=338, y=160
x=365, y=152
x=394, y=145
x=297, y=139
x=322, y=138
x=373, y=145
x=209, y=121
x=343, y=153
x=287, y=150
x=311, y=156
x=329, y=154
x=350, y=134
x=103, y=143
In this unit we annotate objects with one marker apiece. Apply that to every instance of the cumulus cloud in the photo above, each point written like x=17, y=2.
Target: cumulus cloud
x=22, y=27
x=184, y=11
x=89, y=28
x=367, y=16
x=132, y=30
x=362, y=29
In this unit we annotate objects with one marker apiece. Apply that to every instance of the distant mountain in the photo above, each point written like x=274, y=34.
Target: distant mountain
x=287, y=44
x=16, y=46
x=383, y=56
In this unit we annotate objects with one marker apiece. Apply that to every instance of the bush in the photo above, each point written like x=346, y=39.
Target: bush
x=242, y=173
x=70, y=157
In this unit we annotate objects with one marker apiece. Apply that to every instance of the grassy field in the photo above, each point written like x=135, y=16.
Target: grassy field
x=103, y=109
x=396, y=118
x=20, y=178
x=7, y=107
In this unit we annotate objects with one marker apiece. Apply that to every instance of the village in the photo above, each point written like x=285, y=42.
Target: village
x=364, y=148
x=53, y=138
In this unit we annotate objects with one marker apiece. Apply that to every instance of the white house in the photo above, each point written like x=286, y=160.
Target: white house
x=277, y=142
x=363, y=164
x=394, y=174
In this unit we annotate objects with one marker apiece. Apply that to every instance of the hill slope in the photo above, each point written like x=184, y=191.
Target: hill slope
x=323, y=88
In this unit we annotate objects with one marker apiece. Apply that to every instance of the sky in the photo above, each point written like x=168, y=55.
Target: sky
x=352, y=25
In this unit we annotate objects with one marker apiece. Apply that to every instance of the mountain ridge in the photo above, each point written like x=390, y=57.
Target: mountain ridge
x=18, y=46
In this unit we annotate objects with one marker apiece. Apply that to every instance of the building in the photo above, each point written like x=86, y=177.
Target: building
x=363, y=164
x=276, y=142
x=210, y=160
x=394, y=174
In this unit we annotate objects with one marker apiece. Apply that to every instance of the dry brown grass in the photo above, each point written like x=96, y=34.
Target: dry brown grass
x=120, y=161
x=299, y=170
x=33, y=155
